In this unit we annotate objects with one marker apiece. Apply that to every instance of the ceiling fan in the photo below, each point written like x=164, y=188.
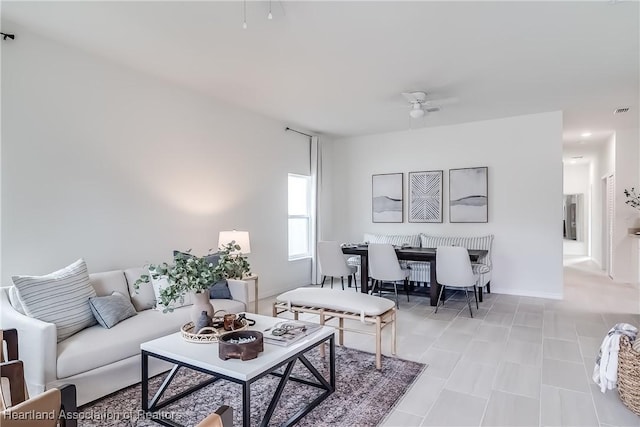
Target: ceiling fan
x=420, y=104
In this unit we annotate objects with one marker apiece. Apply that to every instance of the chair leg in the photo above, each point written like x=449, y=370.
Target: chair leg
x=406, y=288
x=480, y=292
x=475, y=295
x=349, y=281
x=342, y=281
x=331, y=282
x=466, y=292
x=323, y=279
x=488, y=288
x=439, y=297
x=355, y=282
x=395, y=290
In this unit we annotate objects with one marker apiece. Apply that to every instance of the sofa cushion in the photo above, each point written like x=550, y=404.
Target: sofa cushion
x=61, y=297
x=109, y=281
x=14, y=299
x=143, y=298
x=159, y=284
x=411, y=240
x=111, y=309
x=96, y=346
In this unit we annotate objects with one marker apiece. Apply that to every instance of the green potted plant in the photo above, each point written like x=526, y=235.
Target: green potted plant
x=232, y=264
x=187, y=274
x=633, y=198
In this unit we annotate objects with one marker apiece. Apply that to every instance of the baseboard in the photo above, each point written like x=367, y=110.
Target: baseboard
x=535, y=294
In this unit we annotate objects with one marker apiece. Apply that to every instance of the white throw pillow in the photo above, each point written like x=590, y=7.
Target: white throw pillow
x=61, y=297
x=158, y=285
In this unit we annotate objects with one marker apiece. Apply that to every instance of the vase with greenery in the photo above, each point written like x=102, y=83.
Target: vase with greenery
x=232, y=264
x=633, y=198
x=187, y=274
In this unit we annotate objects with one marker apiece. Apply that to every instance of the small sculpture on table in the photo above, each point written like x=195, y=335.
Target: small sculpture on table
x=203, y=321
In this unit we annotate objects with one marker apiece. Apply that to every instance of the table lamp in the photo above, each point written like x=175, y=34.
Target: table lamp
x=240, y=237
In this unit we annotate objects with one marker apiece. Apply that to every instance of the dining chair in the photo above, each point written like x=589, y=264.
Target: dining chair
x=385, y=268
x=453, y=270
x=16, y=407
x=333, y=264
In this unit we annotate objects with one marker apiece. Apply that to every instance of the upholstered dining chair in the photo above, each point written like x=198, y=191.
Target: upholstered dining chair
x=453, y=270
x=333, y=264
x=385, y=268
x=17, y=409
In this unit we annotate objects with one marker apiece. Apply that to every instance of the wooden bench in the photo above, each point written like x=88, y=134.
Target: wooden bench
x=337, y=304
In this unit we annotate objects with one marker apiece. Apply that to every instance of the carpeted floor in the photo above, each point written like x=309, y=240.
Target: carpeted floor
x=363, y=395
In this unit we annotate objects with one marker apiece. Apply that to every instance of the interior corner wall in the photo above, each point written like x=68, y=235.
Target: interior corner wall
x=625, y=246
x=524, y=156
x=102, y=162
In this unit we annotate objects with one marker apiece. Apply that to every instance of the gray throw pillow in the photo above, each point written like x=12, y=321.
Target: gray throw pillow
x=211, y=258
x=112, y=309
x=220, y=290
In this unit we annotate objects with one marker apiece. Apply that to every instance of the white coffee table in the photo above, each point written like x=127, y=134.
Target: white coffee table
x=204, y=358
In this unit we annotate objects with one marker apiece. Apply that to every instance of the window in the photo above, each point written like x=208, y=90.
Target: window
x=299, y=216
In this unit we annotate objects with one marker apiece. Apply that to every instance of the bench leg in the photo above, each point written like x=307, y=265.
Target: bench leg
x=341, y=334
x=480, y=293
x=378, y=343
x=393, y=332
x=322, y=350
x=275, y=310
x=295, y=315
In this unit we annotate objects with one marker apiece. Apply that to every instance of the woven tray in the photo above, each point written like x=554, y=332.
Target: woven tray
x=210, y=335
x=629, y=375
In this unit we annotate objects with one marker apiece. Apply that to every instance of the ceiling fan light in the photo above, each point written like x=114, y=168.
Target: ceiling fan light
x=416, y=113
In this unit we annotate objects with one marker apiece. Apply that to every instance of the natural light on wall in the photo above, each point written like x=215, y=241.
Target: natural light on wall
x=299, y=216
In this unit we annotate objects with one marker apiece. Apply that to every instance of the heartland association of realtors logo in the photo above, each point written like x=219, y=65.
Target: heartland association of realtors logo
x=89, y=415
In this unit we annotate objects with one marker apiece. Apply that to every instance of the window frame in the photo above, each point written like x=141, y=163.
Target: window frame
x=308, y=217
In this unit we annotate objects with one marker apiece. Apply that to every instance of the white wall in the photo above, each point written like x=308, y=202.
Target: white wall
x=525, y=191
x=104, y=163
x=576, y=181
x=626, y=257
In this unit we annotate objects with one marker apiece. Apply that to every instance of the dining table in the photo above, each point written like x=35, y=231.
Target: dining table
x=406, y=254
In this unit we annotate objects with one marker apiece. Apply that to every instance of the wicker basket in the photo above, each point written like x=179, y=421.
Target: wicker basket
x=213, y=335
x=629, y=375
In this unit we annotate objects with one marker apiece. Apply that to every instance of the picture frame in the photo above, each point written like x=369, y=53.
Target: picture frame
x=387, y=202
x=468, y=195
x=425, y=196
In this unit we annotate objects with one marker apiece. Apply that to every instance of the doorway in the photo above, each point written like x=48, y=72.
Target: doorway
x=608, y=214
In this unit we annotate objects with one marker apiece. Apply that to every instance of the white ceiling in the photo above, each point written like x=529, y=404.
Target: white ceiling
x=338, y=67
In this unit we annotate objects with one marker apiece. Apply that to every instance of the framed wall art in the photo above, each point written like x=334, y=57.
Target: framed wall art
x=468, y=195
x=425, y=196
x=386, y=197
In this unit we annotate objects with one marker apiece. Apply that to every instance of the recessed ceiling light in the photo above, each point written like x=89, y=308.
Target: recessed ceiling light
x=573, y=162
x=586, y=134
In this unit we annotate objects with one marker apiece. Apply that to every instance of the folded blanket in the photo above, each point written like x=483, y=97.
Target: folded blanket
x=605, y=372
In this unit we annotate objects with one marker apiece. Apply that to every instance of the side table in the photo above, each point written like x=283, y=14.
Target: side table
x=254, y=277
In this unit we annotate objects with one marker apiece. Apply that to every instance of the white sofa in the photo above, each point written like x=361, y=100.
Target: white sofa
x=97, y=360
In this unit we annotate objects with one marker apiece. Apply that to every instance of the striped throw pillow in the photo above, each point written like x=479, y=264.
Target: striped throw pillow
x=61, y=297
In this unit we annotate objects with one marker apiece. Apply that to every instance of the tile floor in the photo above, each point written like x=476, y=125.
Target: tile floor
x=520, y=361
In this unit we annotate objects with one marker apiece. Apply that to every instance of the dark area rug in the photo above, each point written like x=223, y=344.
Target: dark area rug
x=363, y=395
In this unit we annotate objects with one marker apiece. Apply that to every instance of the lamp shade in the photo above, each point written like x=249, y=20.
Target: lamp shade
x=240, y=237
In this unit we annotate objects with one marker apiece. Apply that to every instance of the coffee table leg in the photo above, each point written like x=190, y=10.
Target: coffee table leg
x=246, y=404
x=332, y=362
x=145, y=381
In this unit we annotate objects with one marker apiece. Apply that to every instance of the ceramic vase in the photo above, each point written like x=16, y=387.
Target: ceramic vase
x=201, y=303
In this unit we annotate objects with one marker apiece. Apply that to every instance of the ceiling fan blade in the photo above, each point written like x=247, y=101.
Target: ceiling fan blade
x=409, y=97
x=440, y=102
x=432, y=109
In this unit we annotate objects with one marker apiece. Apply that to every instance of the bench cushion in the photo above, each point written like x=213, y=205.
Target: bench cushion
x=334, y=299
x=411, y=240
